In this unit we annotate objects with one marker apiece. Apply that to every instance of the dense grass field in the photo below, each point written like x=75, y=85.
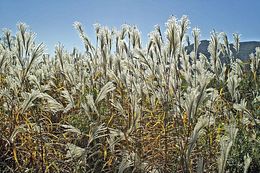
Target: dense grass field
x=121, y=107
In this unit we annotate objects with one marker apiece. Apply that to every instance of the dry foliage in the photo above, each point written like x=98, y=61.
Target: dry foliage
x=121, y=107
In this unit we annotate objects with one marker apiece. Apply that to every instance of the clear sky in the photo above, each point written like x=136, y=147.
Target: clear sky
x=52, y=20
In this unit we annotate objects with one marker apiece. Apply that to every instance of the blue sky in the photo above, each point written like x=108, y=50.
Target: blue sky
x=52, y=20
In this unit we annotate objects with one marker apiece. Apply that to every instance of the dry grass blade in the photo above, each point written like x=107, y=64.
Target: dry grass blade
x=52, y=104
x=104, y=90
x=202, y=122
x=28, y=100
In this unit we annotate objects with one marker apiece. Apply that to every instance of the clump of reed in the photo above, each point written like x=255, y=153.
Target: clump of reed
x=121, y=107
